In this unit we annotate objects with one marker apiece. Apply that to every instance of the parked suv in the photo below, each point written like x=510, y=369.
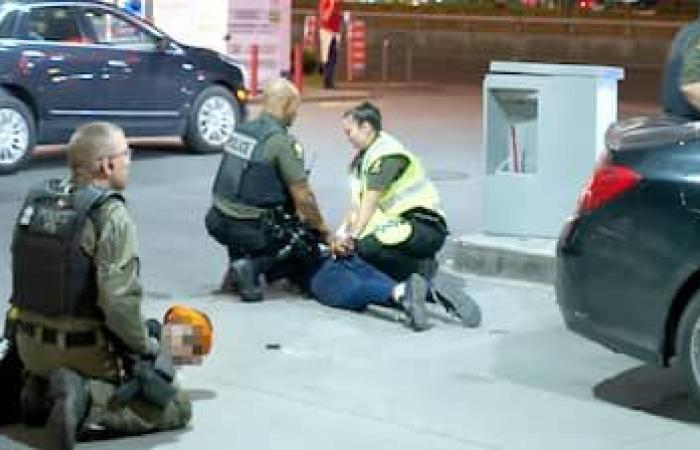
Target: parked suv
x=66, y=62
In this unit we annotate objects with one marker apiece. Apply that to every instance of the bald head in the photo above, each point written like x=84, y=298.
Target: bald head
x=90, y=144
x=281, y=99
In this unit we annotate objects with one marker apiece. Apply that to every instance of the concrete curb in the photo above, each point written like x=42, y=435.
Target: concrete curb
x=355, y=91
x=527, y=259
x=322, y=95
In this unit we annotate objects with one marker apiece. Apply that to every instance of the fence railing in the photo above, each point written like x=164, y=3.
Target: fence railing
x=578, y=25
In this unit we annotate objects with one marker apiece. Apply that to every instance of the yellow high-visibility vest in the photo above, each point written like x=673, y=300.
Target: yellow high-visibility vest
x=412, y=190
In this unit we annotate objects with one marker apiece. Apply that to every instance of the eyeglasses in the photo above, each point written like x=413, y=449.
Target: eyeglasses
x=127, y=153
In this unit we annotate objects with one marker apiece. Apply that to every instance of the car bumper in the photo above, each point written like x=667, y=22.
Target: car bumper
x=574, y=302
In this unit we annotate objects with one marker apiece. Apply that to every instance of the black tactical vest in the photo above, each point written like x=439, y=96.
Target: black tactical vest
x=51, y=274
x=674, y=101
x=244, y=175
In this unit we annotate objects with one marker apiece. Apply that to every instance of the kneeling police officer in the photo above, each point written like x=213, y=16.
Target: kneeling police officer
x=261, y=197
x=76, y=301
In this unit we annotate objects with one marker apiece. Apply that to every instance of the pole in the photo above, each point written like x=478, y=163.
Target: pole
x=385, y=59
x=254, y=69
x=297, y=70
x=349, y=37
x=409, y=61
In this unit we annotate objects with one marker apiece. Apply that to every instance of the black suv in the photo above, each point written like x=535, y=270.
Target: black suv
x=66, y=62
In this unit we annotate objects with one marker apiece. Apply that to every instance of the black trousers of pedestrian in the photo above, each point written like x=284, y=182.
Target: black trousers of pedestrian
x=427, y=237
x=252, y=238
x=329, y=68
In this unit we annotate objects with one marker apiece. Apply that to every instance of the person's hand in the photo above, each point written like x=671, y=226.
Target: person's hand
x=342, y=247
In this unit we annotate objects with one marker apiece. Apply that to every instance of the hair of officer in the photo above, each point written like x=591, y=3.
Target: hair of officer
x=89, y=144
x=366, y=112
x=278, y=94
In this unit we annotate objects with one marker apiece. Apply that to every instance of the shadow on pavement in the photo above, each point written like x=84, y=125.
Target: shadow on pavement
x=651, y=389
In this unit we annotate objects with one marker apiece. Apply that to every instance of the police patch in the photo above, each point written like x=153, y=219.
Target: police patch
x=298, y=150
x=241, y=145
x=376, y=167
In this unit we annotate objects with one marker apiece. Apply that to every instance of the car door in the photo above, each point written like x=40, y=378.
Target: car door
x=145, y=90
x=58, y=63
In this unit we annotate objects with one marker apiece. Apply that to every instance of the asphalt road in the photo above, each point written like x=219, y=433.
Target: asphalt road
x=169, y=190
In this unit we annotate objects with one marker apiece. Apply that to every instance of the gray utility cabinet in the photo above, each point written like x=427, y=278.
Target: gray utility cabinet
x=544, y=125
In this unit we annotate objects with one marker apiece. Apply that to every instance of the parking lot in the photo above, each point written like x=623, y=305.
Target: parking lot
x=342, y=380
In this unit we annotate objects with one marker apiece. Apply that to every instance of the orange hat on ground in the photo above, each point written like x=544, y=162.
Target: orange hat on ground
x=200, y=323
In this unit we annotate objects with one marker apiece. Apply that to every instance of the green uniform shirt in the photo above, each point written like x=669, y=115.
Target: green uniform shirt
x=690, y=68
x=385, y=171
x=286, y=154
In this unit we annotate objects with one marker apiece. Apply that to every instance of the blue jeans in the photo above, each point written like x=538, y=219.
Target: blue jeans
x=351, y=283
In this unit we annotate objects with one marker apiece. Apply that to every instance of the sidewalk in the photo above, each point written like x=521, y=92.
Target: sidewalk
x=342, y=380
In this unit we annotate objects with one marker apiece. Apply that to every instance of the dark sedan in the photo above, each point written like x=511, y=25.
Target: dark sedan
x=66, y=62
x=628, y=261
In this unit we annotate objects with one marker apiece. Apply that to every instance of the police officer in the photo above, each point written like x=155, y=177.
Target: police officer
x=681, y=84
x=261, y=173
x=77, y=295
x=395, y=222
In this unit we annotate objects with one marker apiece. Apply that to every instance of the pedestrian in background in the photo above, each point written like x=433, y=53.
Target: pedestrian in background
x=329, y=38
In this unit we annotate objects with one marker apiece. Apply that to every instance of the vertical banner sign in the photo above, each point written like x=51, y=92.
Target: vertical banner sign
x=192, y=23
x=267, y=24
x=357, y=48
x=310, y=33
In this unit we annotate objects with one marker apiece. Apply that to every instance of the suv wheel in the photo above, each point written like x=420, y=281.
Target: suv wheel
x=213, y=117
x=688, y=346
x=17, y=133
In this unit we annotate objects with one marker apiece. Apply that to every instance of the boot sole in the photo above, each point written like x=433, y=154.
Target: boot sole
x=464, y=307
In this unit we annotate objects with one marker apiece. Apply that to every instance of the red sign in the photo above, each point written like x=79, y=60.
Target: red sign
x=356, y=48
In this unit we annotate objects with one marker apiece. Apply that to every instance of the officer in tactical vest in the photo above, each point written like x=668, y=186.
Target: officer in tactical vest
x=77, y=301
x=261, y=182
x=681, y=83
x=395, y=222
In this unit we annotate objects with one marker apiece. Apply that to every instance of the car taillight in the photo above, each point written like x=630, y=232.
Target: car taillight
x=607, y=182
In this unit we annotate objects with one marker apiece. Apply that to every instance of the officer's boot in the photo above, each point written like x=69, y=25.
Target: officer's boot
x=413, y=302
x=228, y=283
x=247, y=277
x=34, y=401
x=450, y=293
x=427, y=267
x=71, y=399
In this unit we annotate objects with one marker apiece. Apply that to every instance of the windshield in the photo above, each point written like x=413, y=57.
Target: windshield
x=7, y=19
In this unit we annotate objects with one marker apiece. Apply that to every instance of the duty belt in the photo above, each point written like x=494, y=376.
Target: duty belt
x=56, y=337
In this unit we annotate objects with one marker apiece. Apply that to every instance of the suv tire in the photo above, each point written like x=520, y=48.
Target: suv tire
x=17, y=133
x=213, y=117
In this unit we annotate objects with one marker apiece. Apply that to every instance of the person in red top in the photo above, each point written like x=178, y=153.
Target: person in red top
x=329, y=36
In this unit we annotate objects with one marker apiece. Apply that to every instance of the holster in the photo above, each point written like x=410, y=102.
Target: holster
x=11, y=381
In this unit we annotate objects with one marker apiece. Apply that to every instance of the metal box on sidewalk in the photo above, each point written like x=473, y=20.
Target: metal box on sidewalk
x=544, y=125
